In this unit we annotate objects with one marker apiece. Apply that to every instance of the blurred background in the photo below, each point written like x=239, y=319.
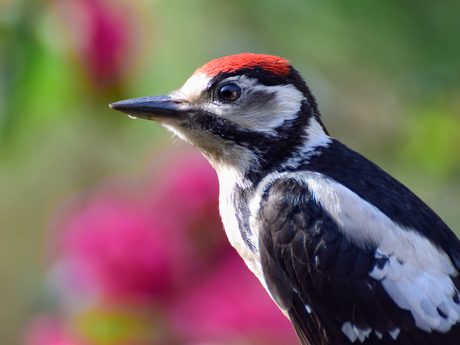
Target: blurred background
x=91, y=202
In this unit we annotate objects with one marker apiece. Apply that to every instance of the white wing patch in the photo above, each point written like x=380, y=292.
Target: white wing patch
x=427, y=295
x=394, y=333
x=415, y=273
x=354, y=333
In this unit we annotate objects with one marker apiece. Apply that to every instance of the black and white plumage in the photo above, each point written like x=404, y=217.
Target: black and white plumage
x=348, y=253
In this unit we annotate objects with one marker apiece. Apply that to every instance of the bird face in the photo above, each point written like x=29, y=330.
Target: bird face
x=243, y=101
x=233, y=107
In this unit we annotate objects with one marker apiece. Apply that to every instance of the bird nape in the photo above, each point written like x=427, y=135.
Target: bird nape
x=347, y=252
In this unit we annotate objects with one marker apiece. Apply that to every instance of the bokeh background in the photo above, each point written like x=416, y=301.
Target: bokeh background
x=109, y=232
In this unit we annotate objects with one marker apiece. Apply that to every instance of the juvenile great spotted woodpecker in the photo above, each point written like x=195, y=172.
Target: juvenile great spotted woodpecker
x=348, y=253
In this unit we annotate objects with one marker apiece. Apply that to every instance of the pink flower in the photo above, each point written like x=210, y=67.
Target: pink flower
x=161, y=248
x=187, y=197
x=117, y=246
x=104, y=34
x=230, y=304
x=122, y=243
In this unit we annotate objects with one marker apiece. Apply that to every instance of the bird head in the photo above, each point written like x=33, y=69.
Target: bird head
x=245, y=110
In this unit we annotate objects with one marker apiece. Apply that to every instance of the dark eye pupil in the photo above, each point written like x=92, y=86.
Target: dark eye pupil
x=229, y=92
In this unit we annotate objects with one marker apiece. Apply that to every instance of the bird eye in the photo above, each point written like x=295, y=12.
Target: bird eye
x=229, y=93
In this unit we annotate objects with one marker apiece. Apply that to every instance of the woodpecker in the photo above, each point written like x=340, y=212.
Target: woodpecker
x=348, y=253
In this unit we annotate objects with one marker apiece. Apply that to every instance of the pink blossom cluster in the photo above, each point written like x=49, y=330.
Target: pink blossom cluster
x=104, y=37
x=148, y=263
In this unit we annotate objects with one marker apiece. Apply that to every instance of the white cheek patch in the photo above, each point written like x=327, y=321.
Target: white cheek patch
x=316, y=138
x=261, y=108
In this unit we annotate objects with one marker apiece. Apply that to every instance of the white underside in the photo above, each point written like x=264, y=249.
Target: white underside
x=228, y=215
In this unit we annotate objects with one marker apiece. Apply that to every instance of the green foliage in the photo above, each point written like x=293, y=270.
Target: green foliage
x=432, y=142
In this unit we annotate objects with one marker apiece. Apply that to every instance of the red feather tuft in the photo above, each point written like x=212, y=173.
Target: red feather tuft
x=233, y=63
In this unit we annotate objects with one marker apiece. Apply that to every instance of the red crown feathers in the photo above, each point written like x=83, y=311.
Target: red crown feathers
x=233, y=63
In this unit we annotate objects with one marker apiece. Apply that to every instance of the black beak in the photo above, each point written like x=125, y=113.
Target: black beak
x=151, y=107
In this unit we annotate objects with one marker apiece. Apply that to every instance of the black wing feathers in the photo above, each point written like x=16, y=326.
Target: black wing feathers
x=390, y=196
x=322, y=279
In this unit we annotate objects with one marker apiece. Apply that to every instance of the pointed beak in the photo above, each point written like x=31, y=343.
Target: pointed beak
x=151, y=107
